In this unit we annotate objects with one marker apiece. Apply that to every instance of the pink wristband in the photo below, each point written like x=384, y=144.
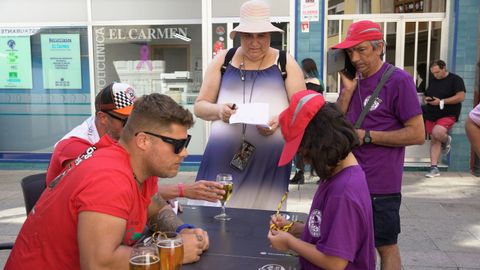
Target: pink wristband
x=181, y=190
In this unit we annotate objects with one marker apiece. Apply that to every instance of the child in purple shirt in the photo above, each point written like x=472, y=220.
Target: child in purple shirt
x=339, y=231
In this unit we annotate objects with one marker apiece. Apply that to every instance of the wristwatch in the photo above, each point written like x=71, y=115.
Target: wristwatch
x=367, y=139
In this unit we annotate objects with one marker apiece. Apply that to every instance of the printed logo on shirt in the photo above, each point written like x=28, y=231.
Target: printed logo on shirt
x=131, y=236
x=375, y=104
x=314, y=222
x=86, y=155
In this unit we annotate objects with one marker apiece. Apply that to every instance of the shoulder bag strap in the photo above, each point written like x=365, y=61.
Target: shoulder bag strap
x=374, y=96
x=228, y=58
x=282, y=61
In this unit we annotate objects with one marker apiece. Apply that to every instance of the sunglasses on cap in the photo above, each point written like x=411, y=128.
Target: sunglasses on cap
x=123, y=120
x=178, y=145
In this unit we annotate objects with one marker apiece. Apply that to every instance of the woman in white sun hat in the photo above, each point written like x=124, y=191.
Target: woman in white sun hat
x=252, y=76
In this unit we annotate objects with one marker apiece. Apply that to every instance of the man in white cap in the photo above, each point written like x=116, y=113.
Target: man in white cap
x=393, y=121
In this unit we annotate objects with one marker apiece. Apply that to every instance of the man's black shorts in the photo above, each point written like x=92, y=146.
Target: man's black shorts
x=386, y=218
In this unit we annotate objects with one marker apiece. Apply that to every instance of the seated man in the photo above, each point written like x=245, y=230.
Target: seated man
x=92, y=213
x=113, y=105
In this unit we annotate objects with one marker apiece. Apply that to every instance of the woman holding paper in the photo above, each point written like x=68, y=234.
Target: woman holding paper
x=249, y=152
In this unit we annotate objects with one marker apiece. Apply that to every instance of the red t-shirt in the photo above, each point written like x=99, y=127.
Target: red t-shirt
x=67, y=149
x=101, y=182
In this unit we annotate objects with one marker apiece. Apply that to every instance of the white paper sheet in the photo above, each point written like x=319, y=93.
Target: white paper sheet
x=251, y=113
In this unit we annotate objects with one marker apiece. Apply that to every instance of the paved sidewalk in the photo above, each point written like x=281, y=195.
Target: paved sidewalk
x=440, y=217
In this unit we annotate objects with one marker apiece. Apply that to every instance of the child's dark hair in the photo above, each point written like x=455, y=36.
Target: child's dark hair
x=328, y=139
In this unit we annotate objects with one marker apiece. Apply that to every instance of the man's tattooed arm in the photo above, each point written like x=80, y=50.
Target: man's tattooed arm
x=161, y=216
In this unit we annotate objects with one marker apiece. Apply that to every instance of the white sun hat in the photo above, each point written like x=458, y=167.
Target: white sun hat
x=254, y=18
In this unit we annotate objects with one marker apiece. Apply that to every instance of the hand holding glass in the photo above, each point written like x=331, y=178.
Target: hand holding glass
x=144, y=256
x=226, y=180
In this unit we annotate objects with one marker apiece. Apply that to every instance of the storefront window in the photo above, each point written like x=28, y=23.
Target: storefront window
x=163, y=59
x=44, y=86
x=388, y=6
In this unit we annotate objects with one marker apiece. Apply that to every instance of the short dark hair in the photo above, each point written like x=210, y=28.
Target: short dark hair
x=156, y=111
x=328, y=139
x=440, y=63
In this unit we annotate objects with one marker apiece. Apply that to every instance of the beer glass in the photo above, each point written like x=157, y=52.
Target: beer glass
x=226, y=180
x=144, y=256
x=170, y=246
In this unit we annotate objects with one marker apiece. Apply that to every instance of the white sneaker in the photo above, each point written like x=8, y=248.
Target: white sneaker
x=446, y=146
x=434, y=172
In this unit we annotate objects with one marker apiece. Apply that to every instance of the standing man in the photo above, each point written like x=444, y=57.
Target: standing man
x=443, y=99
x=98, y=207
x=393, y=122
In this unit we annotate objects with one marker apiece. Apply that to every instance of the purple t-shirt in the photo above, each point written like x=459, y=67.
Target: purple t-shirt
x=340, y=220
x=395, y=105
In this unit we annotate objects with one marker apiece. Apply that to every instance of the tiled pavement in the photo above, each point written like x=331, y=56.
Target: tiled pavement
x=440, y=216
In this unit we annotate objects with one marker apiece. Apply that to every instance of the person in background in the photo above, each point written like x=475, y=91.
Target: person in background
x=472, y=125
x=312, y=78
x=312, y=82
x=98, y=207
x=472, y=128
x=443, y=98
x=252, y=76
x=324, y=138
x=421, y=77
x=113, y=105
x=393, y=122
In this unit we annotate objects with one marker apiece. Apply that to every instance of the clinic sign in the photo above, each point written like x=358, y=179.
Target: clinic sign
x=61, y=61
x=15, y=62
x=309, y=10
x=111, y=35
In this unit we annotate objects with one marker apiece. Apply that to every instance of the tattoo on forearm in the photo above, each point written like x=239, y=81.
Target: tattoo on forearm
x=167, y=220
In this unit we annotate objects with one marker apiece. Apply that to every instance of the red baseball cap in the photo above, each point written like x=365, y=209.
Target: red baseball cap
x=359, y=32
x=304, y=105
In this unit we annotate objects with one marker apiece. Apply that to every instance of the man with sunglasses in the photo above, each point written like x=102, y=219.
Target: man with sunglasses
x=113, y=105
x=98, y=207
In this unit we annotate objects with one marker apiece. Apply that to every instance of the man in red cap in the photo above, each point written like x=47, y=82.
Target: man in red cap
x=393, y=121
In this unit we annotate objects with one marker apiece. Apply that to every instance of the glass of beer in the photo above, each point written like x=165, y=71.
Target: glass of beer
x=144, y=256
x=226, y=180
x=170, y=246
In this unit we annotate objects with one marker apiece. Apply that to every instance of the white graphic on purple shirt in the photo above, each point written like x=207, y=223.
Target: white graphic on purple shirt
x=375, y=104
x=314, y=222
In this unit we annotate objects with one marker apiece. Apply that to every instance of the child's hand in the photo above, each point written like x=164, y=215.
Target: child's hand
x=279, y=221
x=279, y=239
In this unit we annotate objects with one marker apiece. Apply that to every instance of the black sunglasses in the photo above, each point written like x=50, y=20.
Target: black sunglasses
x=123, y=120
x=178, y=145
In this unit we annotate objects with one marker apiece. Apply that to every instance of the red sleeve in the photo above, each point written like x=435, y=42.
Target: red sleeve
x=68, y=149
x=71, y=148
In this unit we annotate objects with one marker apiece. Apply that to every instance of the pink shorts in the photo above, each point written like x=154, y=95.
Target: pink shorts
x=446, y=122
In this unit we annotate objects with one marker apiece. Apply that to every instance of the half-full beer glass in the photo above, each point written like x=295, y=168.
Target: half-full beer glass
x=170, y=246
x=144, y=256
x=226, y=180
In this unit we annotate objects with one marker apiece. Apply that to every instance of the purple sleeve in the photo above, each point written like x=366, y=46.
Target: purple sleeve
x=340, y=229
x=407, y=104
